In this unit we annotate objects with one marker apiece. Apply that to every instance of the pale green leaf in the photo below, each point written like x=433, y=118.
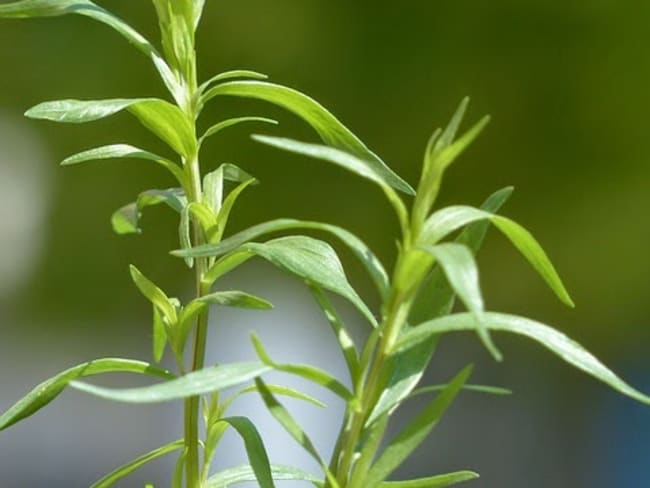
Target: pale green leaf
x=231, y=75
x=436, y=296
x=440, y=481
x=241, y=474
x=124, y=151
x=162, y=118
x=328, y=127
x=47, y=391
x=276, y=389
x=159, y=335
x=216, y=128
x=569, y=350
x=236, y=299
x=401, y=447
x=458, y=264
x=359, y=248
x=226, y=208
x=445, y=221
x=192, y=384
x=126, y=220
x=488, y=390
x=155, y=295
x=259, y=460
x=127, y=469
x=307, y=372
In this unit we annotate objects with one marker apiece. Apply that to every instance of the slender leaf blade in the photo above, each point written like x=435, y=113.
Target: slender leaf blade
x=569, y=350
x=241, y=474
x=439, y=481
x=48, y=390
x=328, y=127
x=192, y=384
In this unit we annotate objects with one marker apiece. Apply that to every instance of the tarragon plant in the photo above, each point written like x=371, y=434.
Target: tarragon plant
x=417, y=298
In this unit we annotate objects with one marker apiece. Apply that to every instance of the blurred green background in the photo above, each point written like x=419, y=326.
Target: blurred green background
x=567, y=86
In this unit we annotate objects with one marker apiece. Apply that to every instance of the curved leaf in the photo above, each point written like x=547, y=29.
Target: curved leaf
x=328, y=127
x=127, y=469
x=241, y=474
x=357, y=246
x=312, y=260
x=569, y=350
x=436, y=296
x=457, y=261
x=162, y=118
x=53, y=8
x=155, y=295
x=192, y=384
x=276, y=389
x=123, y=151
x=416, y=431
x=254, y=449
x=47, y=391
x=445, y=221
x=230, y=75
x=126, y=220
x=216, y=128
x=440, y=481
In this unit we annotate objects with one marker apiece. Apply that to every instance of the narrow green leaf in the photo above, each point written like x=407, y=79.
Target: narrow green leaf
x=241, y=474
x=231, y=75
x=226, y=208
x=216, y=128
x=488, y=390
x=159, y=335
x=569, y=350
x=193, y=384
x=47, y=391
x=328, y=127
x=359, y=248
x=255, y=450
x=346, y=343
x=179, y=471
x=445, y=221
x=307, y=372
x=287, y=421
x=312, y=260
x=155, y=295
x=185, y=234
x=440, y=481
x=225, y=265
x=53, y=8
x=436, y=296
x=371, y=443
x=277, y=390
x=124, y=151
x=126, y=220
x=127, y=469
x=162, y=118
x=404, y=372
x=236, y=299
x=457, y=261
x=415, y=432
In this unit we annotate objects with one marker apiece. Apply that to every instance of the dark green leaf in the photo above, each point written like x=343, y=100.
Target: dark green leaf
x=415, y=432
x=127, y=469
x=47, y=391
x=192, y=384
x=569, y=350
x=328, y=127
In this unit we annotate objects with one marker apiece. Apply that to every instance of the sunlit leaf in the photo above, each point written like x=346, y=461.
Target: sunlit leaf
x=192, y=384
x=328, y=127
x=569, y=350
x=216, y=128
x=241, y=474
x=128, y=468
x=162, y=118
x=231, y=75
x=259, y=460
x=359, y=248
x=126, y=220
x=401, y=447
x=155, y=295
x=445, y=221
x=440, y=481
x=47, y=391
